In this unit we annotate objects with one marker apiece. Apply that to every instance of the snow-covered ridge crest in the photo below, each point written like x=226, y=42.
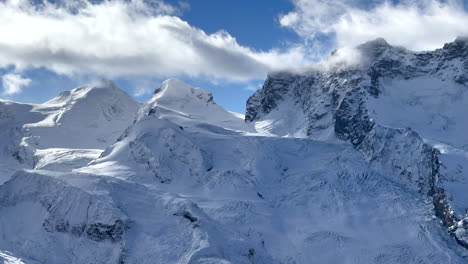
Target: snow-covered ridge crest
x=178, y=96
x=177, y=89
x=71, y=96
x=189, y=106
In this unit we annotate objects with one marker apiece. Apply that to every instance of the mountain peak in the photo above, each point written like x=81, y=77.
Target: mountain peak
x=378, y=42
x=100, y=111
x=374, y=48
x=183, y=104
x=173, y=84
x=105, y=84
x=461, y=39
x=176, y=92
x=458, y=45
x=102, y=88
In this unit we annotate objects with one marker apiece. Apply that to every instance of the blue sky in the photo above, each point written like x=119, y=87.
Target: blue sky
x=226, y=47
x=253, y=23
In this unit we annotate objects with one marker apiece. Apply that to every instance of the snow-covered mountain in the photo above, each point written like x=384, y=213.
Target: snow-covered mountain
x=69, y=130
x=348, y=162
x=392, y=106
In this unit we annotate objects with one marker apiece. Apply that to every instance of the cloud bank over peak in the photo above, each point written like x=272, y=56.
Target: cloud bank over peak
x=127, y=38
x=416, y=25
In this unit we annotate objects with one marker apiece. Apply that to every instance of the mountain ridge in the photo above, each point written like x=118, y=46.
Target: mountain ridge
x=324, y=167
x=360, y=103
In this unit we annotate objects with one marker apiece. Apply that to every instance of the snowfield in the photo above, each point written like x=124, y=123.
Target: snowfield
x=356, y=164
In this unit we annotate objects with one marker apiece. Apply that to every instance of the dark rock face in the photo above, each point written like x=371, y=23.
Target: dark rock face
x=442, y=208
x=95, y=231
x=352, y=122
x=101, y=232
x=273, y=91
x=187, y=215
x=456, y=49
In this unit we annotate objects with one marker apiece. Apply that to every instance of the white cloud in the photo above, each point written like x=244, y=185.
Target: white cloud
x=253, y=87
x=127, y=38
x=14, y=83
x=417, y=25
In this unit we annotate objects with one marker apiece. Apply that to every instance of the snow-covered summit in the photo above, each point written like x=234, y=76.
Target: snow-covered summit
x=99, y=89
x=86, y=117
x=177, y=93
x=69, y=130
x=186, y=105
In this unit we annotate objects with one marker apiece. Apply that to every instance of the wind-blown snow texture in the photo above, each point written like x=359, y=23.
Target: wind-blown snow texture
x=360, y=163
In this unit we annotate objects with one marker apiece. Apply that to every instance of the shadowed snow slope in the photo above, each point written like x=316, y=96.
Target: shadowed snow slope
x=325, y=170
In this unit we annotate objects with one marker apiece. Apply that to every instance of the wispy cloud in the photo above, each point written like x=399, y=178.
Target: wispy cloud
x=414, y=24
x=14, y=83
x=253, y=86
x=128, y=38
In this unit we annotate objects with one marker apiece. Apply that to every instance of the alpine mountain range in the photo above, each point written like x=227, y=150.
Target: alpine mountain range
x=348, y=161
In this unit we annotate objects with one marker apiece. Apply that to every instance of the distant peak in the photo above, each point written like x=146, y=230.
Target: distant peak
x=100, y=89
x=461, y=39
x=377, y=43
x=177, y=90
x=176, y=95
x=104, y=83
x=458, y=47
x=375, y=49
x=173, y=84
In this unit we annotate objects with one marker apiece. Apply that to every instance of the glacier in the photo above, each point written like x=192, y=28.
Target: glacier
x=362, y=162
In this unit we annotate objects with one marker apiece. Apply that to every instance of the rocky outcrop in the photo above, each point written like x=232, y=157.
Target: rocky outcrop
x=274, y=90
